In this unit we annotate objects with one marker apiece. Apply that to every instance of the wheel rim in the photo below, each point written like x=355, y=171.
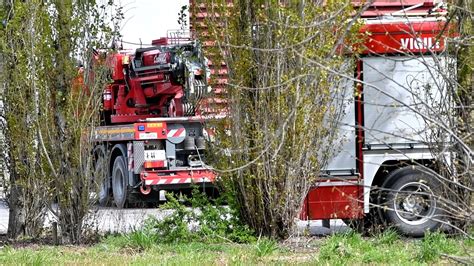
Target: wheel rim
x=414, y=203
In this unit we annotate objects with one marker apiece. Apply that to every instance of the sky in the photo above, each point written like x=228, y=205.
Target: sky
x=149, y=19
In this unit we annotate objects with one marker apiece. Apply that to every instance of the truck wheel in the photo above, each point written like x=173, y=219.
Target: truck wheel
x=119, y=182
x=103, y=181
x=411, y=203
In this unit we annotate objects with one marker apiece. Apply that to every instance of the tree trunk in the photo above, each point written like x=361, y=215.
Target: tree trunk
x=16, y=220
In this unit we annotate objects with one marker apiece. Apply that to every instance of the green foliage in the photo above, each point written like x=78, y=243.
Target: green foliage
x=160, y=254
x=113, y=242
x=265, y=247
x=141, y=239
x=339, y=249
x=27, y=257
x=50, y=106
x=182, y=17
x=202, y=221
x=387, y=247
x=275, y=140
x=387, y=237
x=193, y=219
x=433, y=245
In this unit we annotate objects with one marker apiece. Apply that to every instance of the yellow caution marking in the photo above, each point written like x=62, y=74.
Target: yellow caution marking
x=154, y=125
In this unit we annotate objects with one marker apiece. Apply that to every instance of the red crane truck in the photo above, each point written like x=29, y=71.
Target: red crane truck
x=152, y=136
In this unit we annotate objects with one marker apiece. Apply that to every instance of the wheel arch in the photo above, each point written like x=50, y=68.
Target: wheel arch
x=387, y=167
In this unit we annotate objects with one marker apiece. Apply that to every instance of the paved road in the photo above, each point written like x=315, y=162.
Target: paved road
x=3, y=217
x=112, y=220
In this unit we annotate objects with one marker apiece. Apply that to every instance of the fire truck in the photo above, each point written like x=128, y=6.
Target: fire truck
x=385, y=171
x=152, y=137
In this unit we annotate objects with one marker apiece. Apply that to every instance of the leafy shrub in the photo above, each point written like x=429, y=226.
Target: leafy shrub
x=204, y=221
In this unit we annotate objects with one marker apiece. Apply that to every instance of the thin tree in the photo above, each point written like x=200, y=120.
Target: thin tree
x=281, y=113
x=52, y=93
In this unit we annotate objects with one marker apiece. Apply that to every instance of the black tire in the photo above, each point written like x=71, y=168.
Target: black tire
x=411, y=203
x=120, y=182
x=102, y=180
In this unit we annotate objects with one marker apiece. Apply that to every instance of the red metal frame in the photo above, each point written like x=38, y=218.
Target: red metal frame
x=333, y=201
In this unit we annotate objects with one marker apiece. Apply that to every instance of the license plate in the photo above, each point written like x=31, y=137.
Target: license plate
x=151, y=135
x=155, y=155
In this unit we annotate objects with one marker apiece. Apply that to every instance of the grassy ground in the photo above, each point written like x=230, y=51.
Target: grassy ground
x=349, y=248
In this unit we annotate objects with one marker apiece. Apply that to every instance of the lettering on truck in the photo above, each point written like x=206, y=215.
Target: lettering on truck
x=419, y=43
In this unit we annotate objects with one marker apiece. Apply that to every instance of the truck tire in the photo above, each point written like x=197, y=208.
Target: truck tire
x=119, y=182
x=411, y=203
x=102, y=180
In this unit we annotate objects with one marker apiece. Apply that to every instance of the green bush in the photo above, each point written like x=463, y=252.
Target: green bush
x=205, y=221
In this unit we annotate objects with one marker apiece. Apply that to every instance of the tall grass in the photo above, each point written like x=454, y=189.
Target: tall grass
x=388, y=247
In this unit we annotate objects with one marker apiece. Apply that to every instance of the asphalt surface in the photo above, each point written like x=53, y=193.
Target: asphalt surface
x=106, y=220
x=3, y=217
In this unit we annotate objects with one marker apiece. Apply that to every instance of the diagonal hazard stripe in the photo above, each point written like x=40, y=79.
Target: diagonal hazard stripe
x=179, y=133
x=171, y=133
